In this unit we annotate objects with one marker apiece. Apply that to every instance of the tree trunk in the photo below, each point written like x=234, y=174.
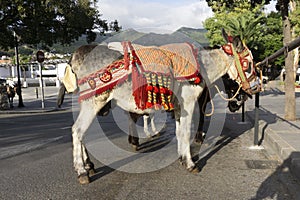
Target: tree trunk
x=293, y=7
x=289, y=85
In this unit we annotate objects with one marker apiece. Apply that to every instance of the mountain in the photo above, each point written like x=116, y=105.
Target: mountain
x=183, y=34
x=196, y=34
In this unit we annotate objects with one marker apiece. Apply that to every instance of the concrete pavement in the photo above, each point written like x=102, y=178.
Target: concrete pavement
x=275, y=133
x=32, y=100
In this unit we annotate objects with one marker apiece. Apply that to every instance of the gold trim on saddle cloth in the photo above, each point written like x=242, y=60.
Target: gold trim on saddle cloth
x=102, y=80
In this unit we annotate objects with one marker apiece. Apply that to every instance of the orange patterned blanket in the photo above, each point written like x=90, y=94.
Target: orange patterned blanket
x=178, y=59
x=153, y=71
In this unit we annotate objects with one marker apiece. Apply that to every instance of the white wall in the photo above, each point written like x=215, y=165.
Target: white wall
x=4, y=72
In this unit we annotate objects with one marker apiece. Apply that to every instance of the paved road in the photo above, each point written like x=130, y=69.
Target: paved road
x=44, y=170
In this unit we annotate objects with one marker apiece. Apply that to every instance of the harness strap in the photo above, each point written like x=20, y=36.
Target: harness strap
x=244, y=81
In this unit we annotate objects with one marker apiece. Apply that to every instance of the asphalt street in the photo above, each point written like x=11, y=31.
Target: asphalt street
x=36, y=162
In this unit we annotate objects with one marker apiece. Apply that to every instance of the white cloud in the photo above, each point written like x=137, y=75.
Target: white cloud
x=156, y=16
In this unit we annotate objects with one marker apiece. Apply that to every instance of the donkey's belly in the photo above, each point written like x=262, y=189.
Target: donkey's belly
x=123, y=98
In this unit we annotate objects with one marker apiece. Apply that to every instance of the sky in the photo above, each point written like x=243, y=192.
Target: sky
x=161, y=16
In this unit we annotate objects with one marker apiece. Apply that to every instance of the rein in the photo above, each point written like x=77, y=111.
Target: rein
x=212, y=105
x=230, y=99
x=224, y=98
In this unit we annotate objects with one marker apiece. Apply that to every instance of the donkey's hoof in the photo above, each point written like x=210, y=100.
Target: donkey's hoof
x=135, y=147
x=156, y=134
x=91, y=169
x=84, y=179
x=92, y=172
x=181, y=161
x=199, y=138
x=194, y=170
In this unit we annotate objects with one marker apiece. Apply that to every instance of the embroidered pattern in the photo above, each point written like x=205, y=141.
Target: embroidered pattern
x=102, y=80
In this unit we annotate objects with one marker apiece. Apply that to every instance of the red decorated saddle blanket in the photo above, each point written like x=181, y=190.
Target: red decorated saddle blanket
x=153, y=71
x=102, y=80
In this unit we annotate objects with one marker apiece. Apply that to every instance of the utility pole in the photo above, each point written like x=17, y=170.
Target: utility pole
x=19, y=88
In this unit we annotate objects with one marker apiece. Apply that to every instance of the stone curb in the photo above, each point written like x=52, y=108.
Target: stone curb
x=275, y=143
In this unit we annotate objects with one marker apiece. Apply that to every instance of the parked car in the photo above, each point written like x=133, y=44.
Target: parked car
x=297, y=74
x=2, y=81
x=48, y=71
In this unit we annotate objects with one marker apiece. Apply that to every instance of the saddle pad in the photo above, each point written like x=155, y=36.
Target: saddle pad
x=178, y=58
x=184, y=60
x=102, y=80
x=153, y=59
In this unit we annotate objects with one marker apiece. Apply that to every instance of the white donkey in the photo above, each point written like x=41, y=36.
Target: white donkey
x=213, y=65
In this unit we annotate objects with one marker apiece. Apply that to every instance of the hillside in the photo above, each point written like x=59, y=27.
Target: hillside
x=196, y=34
x=183, y=34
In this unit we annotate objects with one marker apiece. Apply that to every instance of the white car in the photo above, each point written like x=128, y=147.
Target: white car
x=48, y=71
x=297, y=74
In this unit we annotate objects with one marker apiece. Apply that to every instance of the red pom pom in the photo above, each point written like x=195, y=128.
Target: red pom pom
x=155, y=89
x=149, y=105
x=197, y=80
x=149, y=88
x=162, y=90
x=170, y=92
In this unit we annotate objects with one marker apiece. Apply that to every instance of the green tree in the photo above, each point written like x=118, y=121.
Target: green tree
x=270, y=40
x=48, y=21
x=231, y=5
x=238, y=21
x=259, y=31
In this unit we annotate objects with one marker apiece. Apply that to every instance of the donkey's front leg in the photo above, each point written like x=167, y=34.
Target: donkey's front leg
x=78, y=158
x=88, y=165
x=85, y=118
x=178, y=132
x=190, y=96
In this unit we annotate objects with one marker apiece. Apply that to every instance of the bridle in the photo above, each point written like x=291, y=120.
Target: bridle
x=242, y=65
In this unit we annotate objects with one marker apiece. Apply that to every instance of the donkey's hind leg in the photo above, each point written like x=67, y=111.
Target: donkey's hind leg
x=146, y=128
x=85, y=118
x=202, y=103
x=133, y=137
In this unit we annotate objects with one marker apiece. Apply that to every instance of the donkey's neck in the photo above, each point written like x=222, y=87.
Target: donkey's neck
x=214, y=64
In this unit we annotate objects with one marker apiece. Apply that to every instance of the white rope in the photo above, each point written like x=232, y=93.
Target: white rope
x=212, y=105
x=226, y=99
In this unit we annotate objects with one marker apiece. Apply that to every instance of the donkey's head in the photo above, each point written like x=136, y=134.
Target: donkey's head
x=74, y=66
x=243, y=71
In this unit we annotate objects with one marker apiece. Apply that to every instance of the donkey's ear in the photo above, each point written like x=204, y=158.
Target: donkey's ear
x=238, y=44
x=225, y=36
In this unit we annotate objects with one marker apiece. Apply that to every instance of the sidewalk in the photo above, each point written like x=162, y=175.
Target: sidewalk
x=275, y=133
x=32, y=100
